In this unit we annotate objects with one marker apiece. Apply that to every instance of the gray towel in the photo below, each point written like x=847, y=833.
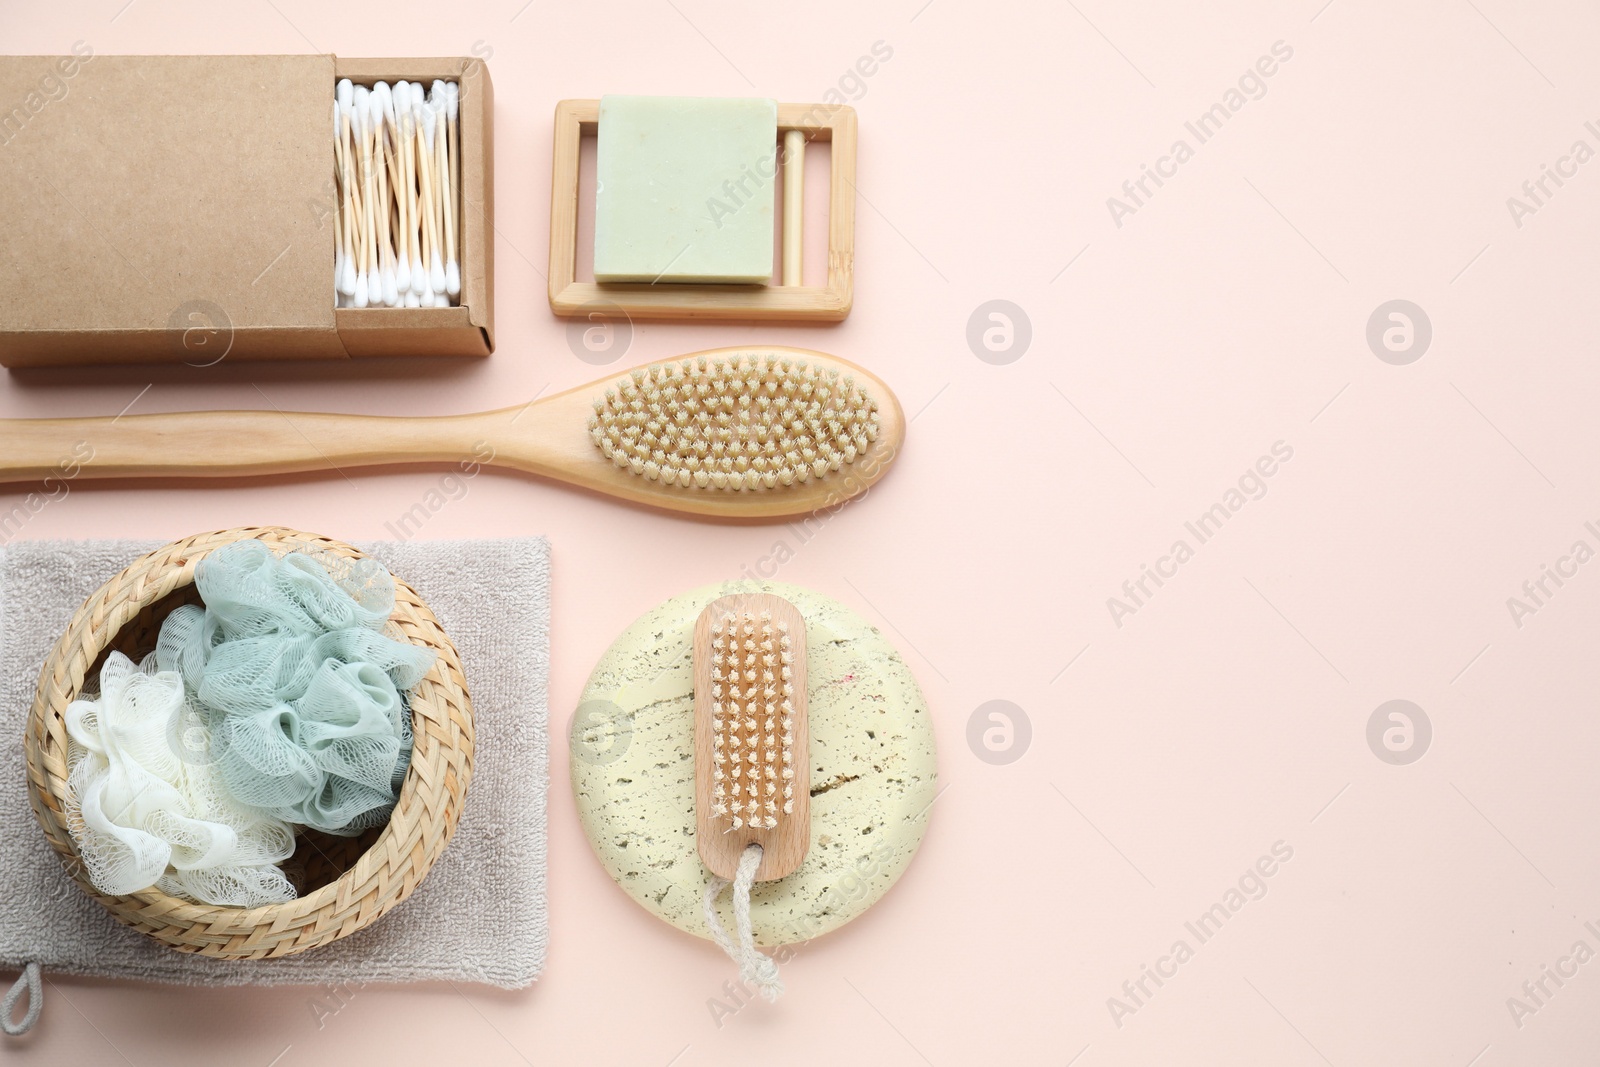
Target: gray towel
x=479, y=916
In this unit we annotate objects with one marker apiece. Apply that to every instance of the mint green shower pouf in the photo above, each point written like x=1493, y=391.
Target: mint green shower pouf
x=300, y=686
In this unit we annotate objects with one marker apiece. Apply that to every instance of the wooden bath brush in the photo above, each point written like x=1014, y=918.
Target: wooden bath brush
x=730, y=433
x=752, y=760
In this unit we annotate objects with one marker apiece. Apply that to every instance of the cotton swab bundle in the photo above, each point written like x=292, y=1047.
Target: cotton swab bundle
x=397, y=222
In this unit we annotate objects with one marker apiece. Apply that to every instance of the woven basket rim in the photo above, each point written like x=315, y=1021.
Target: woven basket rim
x=424, y=817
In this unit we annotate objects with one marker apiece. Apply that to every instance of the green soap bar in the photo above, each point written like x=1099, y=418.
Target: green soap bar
x=684, y=189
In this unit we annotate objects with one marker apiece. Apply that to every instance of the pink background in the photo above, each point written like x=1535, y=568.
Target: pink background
x=1168, y=353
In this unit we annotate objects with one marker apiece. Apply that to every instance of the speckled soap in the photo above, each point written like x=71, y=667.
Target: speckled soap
x=873, y=768
x=684, y=189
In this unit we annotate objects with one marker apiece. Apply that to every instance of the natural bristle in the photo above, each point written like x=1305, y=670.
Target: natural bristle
x=752, y=722
x=750, y=422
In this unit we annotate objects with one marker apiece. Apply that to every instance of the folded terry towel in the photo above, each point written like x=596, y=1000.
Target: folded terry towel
x=479, y=916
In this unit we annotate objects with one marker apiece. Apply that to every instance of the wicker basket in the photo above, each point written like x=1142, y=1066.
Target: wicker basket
x=345, y=884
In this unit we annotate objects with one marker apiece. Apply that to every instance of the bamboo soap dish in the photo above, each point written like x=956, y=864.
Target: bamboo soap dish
x=783, y=298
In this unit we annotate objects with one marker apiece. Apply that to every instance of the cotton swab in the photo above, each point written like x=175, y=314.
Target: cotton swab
x=396, y=114
x=342, y=181
x=430, y=243
x=346, y=97
x=399, y=199
x=386, y=272
x=380, y=207
x=440, y=99
x=427, y=196
x=422, y=111
x=433, y=138
x=358, y=226
x=413, y=119
x=436, y=139
x=372, y=204
x=452, y=267
x=338, y=212
x=441, y=160
x=363, y=116
x=389, y=178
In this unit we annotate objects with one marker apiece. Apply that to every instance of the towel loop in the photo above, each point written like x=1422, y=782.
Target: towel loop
x=29, y=982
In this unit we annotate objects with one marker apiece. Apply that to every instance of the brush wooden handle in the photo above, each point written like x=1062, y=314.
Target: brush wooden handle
x=211, y=443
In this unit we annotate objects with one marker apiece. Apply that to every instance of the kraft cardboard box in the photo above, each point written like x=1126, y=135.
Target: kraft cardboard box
x=179, y=209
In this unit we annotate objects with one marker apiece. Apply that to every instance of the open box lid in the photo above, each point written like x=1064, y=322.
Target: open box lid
x=151, y=195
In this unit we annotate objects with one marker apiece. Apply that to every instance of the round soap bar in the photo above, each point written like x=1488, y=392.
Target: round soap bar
x=873, y=769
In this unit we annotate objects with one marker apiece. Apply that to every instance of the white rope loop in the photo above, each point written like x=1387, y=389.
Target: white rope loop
x=755, y=968
x=27, y=982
